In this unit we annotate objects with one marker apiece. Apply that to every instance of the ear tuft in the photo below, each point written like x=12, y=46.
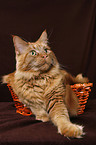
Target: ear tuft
x=13, y=35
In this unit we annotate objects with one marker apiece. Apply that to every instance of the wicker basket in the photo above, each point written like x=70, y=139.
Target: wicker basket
x=81, y=90
x=20, y=108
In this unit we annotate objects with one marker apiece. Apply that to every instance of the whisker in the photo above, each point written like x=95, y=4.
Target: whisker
x=63, y=67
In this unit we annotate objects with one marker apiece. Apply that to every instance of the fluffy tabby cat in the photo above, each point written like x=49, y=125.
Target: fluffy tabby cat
x=42, y=86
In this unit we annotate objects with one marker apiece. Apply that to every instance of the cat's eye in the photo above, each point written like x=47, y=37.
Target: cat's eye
x=33, y=52
x=46, y=50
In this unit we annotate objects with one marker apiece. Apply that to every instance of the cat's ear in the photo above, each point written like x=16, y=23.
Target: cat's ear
x=19, y=44
x=43, y=38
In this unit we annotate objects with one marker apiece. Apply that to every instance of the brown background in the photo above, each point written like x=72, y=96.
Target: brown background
x=71, y=27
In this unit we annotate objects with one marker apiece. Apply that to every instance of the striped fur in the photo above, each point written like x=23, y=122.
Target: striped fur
x=41, y=85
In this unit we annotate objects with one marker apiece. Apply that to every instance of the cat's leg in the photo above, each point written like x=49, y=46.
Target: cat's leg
x=59, y=115
x=43, y=116
x=71, y=101
x=40, y=113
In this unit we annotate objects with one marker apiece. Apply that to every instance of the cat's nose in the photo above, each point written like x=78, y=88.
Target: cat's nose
x=45, y=56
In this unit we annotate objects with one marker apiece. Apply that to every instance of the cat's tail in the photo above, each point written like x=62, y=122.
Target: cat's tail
x=69, y=79
x=80, y=79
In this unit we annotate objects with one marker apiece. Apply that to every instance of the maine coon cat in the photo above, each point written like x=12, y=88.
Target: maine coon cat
x=42, y=86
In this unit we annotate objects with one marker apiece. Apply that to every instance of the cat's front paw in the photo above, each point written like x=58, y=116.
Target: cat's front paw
x=73, y=131
x=44, y=118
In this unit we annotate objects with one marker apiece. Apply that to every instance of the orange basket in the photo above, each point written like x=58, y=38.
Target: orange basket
x=20, y=108
x=81, y=90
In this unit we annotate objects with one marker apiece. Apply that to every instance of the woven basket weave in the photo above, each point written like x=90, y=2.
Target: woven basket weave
x=81, y=90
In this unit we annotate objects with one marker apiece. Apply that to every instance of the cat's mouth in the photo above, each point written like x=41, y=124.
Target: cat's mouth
x=45, y=66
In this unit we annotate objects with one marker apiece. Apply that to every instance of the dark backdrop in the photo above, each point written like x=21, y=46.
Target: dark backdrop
x=71, y=27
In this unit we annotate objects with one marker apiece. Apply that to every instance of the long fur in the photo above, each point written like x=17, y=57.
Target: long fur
x=42, y=86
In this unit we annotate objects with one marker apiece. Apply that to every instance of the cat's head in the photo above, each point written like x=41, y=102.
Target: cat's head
x=34, y=56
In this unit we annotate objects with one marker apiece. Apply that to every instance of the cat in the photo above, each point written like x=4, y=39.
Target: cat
x=43, y=86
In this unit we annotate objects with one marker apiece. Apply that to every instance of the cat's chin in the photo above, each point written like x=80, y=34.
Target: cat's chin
x=46, y=67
